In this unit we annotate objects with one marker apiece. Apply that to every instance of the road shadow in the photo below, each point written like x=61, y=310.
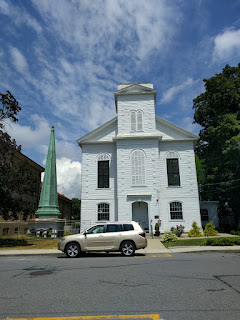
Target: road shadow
x=101, y=255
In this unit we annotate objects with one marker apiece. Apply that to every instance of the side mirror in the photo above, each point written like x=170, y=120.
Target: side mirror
x=85, y=233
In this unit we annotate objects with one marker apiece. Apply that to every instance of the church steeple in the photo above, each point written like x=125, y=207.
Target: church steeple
x=48, y=204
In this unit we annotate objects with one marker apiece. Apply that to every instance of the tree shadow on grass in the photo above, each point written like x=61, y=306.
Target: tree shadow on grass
x=8, y=242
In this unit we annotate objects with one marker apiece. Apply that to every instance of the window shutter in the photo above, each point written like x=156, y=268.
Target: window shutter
x=138, y=168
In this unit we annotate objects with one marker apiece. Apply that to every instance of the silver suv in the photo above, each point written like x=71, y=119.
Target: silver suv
x=125, y=237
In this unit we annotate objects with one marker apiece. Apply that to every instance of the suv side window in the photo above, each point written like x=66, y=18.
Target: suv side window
x=128, y=227
x=113, y=228
x=96, y=229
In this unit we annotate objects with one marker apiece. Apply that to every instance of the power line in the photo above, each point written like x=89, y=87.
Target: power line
x=212, y=184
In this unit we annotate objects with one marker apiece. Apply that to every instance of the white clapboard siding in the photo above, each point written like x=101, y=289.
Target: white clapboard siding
x=138, y=170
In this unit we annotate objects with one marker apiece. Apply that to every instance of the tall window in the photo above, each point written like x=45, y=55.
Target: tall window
x=176, y=211
x=173, y=172
x=133, y=121
x=138, y=167
x=103, y=171
x=136, y=120
x=139, y=121
x=103, y=211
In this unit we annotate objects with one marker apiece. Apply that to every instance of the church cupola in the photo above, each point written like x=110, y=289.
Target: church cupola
x=135, y=105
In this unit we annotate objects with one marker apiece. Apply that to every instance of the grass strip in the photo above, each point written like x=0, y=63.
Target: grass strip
x=185, y=243
x=223, y=241
x=25, y=244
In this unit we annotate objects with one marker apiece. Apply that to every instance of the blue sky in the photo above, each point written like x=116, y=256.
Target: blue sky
x=63, y=60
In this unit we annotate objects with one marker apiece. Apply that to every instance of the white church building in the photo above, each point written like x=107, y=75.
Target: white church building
x=139, y=166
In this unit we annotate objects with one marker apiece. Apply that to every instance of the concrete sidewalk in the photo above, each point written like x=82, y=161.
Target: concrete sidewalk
x=154, y=246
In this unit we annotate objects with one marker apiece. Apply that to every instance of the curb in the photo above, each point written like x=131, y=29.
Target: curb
x=55, y=252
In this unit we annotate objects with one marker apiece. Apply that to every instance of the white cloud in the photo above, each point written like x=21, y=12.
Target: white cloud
x=19, y=16
x=102, y=27
x=18, y=60
x=106, y=41
x=30, y=137
x=4, y=7
x=187, y=124
x=67, y=149
x=69, y=177
x=226, y=45
x=172, y=92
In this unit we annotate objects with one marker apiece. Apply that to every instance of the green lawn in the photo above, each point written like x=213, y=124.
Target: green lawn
x=185, y=243
x=12, y=243
x=202, y=242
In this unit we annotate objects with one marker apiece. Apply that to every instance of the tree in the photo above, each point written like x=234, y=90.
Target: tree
x=10, y=107
x=217, y=110
x=16, y=180
x=76, y=211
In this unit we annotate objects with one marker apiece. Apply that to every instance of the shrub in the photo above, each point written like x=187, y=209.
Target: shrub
x=223, y=242
x=235, y=233
x=157, y=232
x=169, y=237
x=178, y=231
x=210, y=230
x=195, y=231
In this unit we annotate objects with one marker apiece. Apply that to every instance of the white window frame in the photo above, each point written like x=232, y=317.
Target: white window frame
x=177, y=219
x=102, y=157
x=173, y=155
x=136, y=119
x=103, y=203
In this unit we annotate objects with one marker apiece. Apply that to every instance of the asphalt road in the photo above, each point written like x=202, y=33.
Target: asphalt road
x=181, y=286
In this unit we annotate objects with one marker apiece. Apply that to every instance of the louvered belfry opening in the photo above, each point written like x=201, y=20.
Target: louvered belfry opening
x=138, y=167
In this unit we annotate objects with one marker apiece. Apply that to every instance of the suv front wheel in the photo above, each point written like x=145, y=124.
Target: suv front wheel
x=128, y=248
x=73, y=250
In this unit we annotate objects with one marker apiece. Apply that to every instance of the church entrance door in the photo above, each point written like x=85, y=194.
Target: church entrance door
x=140, y=213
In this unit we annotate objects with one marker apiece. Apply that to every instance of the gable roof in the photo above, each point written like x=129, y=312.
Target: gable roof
x=107, y=133
x=186, y=134
x=134, y=89
x=97, y=131
x=32, y=163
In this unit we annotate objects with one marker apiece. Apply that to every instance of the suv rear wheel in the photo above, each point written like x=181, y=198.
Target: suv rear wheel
x=128, y=248
x=73, y=250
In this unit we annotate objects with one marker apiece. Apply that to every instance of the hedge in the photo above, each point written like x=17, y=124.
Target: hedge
x=223, y=242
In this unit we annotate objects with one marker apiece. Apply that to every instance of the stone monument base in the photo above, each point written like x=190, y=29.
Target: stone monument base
x=46, y=227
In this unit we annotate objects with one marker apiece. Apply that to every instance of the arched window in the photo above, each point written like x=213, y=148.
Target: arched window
x=138, y=167
x=176, y=211
x=139, y=120
x=136, y=120
x=103, y=211
x=173, y=169
x=133, y=121
x=103, y=170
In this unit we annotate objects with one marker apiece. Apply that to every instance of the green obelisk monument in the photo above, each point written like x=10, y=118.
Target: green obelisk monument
x=48, y=204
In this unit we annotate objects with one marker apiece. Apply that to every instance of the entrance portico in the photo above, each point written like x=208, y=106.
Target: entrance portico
x=139, y=207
